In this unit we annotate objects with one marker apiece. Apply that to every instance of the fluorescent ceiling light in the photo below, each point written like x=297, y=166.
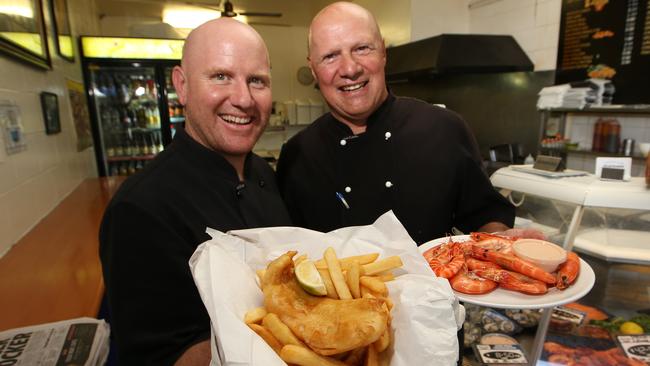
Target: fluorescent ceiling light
x=191, y=17
x=21, y=8
x=188, y=17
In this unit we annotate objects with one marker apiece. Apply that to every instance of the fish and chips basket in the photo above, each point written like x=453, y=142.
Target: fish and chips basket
x=425, y=314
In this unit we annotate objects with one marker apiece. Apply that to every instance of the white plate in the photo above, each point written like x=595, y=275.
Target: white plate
x=506, y=299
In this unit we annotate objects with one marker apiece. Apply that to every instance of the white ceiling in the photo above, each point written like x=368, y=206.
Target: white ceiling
x=296, y=13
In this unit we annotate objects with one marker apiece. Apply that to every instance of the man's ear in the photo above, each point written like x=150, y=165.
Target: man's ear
x=311, y=68
x=179, y=80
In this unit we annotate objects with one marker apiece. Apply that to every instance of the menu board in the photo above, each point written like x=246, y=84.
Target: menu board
x=608, y=39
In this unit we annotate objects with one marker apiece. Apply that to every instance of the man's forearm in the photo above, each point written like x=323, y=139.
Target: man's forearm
x=493, y=227
x=198, y=354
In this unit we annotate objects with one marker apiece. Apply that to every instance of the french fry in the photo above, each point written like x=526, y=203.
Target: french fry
x=346, y=261
x=383, y=342
x=385, y=264
x=385, y=276
x=366, y=293
x=304, y=357
x=255, y=316
x=267, y=337
x=371, y=357
x=374, y=284
x=389, y=303
x=334, y=268
x=329, y=285
x=353, y=279
x=299, y=259
x=280, y=330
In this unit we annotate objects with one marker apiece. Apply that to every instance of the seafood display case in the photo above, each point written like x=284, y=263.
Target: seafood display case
x=607, y=220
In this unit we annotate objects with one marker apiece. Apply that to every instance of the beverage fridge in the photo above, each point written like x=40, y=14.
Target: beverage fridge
x=133, y=106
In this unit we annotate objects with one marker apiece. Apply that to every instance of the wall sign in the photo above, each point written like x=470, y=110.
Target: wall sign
x=51, y=116
x=12, y=128
x=607, y=39
x=22, y=32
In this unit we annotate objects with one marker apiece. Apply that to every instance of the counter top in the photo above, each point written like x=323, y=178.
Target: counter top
x=587, y=190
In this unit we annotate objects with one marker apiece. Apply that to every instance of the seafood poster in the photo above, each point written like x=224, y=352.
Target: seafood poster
x=606, y=39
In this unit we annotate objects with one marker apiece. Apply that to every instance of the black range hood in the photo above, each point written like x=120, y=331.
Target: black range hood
x=456, y=54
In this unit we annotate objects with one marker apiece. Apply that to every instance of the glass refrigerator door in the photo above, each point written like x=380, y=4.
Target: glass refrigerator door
x=126, y=102
x=175, y=108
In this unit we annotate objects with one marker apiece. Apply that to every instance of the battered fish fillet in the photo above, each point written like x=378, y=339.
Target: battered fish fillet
x=327, y=326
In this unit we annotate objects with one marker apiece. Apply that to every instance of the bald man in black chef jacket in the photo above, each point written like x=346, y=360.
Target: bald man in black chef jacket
x=207, y=177
x=376, y=152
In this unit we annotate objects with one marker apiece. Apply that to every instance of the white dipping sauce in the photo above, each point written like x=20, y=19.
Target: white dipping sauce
x=542, y=253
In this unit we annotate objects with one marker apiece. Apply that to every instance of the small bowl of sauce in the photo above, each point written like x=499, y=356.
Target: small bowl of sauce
x=544, y=254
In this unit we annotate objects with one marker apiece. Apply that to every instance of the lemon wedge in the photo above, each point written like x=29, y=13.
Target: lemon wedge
x=631, y=328
x=309, y=278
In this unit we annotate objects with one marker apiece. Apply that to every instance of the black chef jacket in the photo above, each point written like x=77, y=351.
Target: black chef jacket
x=419, y=160
x=152, y=227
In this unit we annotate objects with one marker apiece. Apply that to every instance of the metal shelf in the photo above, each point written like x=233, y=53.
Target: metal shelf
x=130, y=158
x=620, y=108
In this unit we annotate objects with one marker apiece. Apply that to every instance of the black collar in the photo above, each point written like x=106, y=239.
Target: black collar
x=375, y=120
x=208, y=159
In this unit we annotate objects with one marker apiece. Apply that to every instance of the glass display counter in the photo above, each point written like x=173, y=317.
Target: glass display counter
x=609, y=220
x=605, y=219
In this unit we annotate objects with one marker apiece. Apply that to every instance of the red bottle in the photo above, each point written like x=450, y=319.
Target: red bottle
x=597, y=138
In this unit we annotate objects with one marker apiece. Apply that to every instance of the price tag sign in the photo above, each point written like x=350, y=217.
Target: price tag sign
x=548, y=163
x=568, y=314
x=614, y=168
x=510, y=354
x=635, y=346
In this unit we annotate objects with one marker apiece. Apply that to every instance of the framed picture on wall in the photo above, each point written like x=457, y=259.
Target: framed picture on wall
x=50, y=106
x=62, y=34
x=22, y=32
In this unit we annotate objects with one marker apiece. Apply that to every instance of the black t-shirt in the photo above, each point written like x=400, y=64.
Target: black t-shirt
x=149, y=232
x=419, y=160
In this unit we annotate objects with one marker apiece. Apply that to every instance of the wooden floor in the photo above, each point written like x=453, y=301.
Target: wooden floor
x=53, y=273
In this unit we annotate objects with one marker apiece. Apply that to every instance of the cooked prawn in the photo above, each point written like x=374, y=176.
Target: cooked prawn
x=568, y=271
x=445, y=260
x=513, y=281
x=493, y=242
x=468, y=282
x=473, y=263
x=513, y=263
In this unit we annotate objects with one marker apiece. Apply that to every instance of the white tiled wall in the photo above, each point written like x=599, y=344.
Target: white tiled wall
x=32, y=182
x=535, y=24
x=580, y=129
x=431, y=18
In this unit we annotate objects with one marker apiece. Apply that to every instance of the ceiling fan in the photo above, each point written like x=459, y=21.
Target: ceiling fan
x=228, y=11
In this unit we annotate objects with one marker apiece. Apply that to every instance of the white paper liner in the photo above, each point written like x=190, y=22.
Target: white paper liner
x=426, y=315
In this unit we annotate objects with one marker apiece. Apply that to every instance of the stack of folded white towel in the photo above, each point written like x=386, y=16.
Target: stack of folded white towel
x=576, y=95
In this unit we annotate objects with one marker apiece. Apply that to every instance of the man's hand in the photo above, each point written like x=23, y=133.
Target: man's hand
x=197, y=355
x=502, y=229
x=524, y=233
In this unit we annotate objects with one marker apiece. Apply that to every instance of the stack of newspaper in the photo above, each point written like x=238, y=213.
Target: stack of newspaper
x=81, y=341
